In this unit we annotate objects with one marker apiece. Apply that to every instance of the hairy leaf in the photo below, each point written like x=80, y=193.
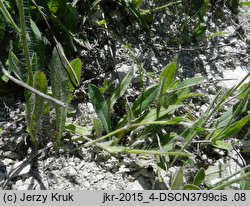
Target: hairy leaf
x=40, y=83
x=60, y=91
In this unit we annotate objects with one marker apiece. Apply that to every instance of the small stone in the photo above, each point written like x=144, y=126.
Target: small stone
x=243, y=45
x=77, y=160
x=134, y=186
x=90, y=107
x=72, y=163
x=71, y=171
x=87, y=185
x=104, y=186
x=234, y=76
x=19, y=183
x=248, y=40
x=52, y=178
x=123, y=70
x=29, y=181
x=23, y=187
x=230, y=29
x=99, y=177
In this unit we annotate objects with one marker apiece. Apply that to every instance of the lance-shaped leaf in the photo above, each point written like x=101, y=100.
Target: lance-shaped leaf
x=122, y=87
x=76, y=64
x=166, y=79
x=100, y=106
x=177, y=180
x=199, y=177
x=60, y=91
x=40, y=83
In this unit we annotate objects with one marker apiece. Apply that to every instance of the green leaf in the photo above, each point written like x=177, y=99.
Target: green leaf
x=57, y=6
x=183, y=97
x=144, y=101
x=137, y=3
x=36, y=30
x=77, y=67
x=8, y=17
x=151, y=116
x=199, y=177
x=222, y=145
x=199, y=30
x=191, y=187
x=1, y=130
x=97, y=127
x=15, y=67
x=2, y=28
x=60, y=91
x=177, y=180
x=122, y=87
x=247, y=3
x=40, y=83
x=232, y=129
x=225, y=118
x=166, y=79
x=100, y=106
x=77, y=129
x=71, y=19
x=190, y=82
x=131, y=8
x=245, y=183
x=125, y=150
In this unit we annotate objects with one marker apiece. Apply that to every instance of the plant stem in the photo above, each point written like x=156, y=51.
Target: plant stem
x=24, y=41
x=26, y=86
x=8, y=16
x=159, y=8
x=221, y=186
x=128, y=127
x=229, y=177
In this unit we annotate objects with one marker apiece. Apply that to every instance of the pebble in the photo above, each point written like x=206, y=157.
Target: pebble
x=72, y=171
x=52, y=178
x=99, y=177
